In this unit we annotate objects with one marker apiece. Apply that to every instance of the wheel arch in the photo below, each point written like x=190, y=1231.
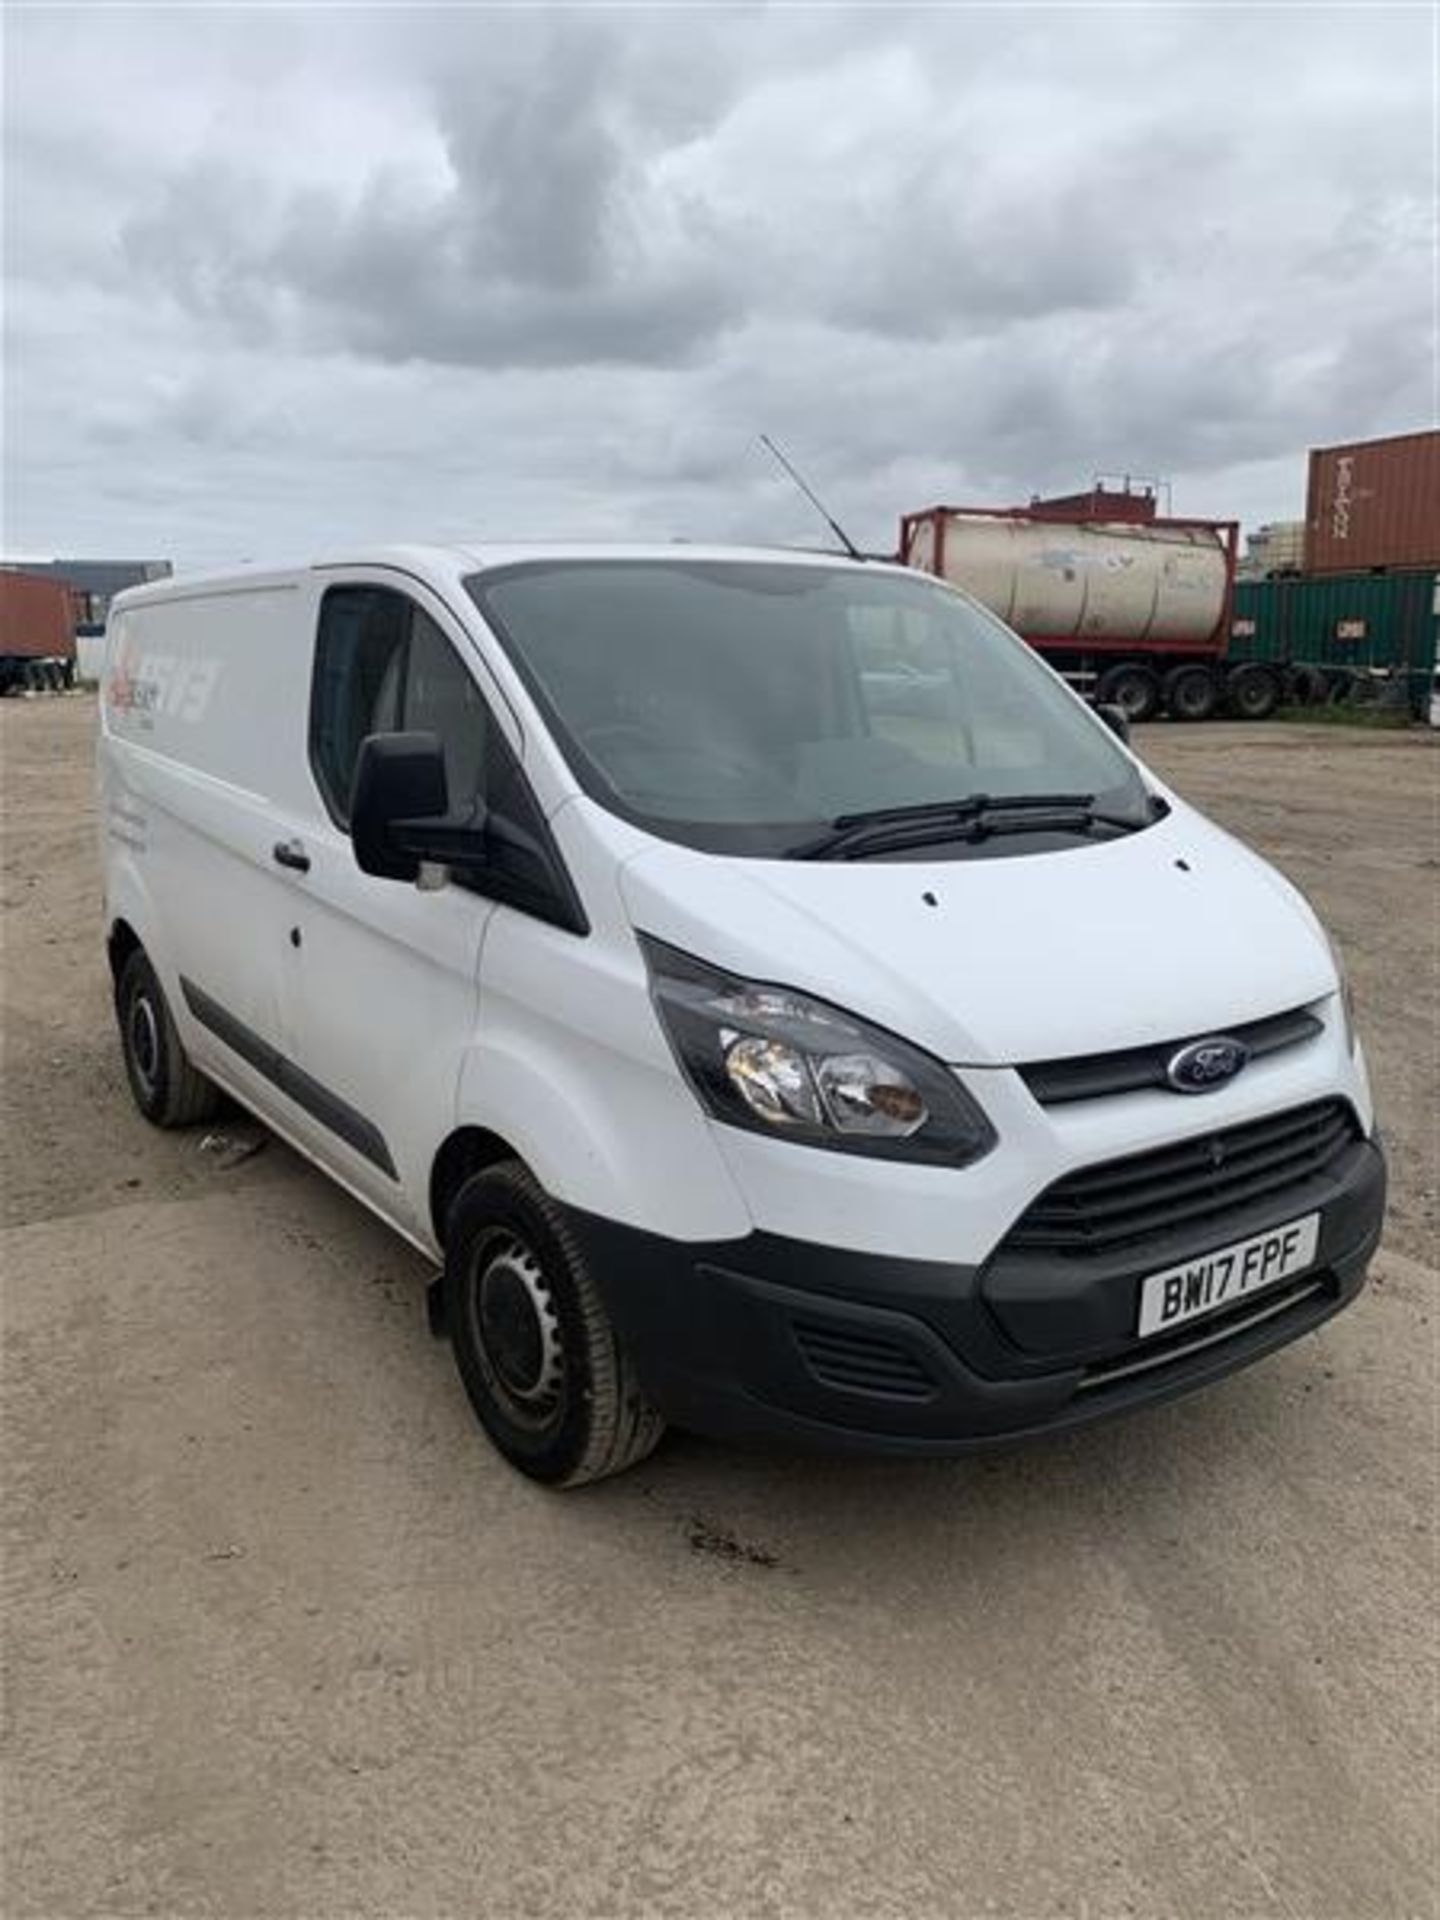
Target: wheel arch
x=120, y=942
x=463, y=1153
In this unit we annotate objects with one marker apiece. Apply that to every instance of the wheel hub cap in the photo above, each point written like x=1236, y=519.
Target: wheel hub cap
x=517, y=1328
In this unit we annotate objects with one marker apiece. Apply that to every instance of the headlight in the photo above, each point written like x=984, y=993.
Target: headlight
x=1346, y=998
x=781, y=1063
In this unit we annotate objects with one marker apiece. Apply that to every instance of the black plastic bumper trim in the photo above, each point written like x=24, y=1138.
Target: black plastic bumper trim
x=723, y=1335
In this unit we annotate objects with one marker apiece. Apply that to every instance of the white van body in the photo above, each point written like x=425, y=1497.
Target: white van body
x=408, y=1038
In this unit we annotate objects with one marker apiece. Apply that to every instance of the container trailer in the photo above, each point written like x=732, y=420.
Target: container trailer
x=1337, y=637
x=1132, y=608
x=37, y=633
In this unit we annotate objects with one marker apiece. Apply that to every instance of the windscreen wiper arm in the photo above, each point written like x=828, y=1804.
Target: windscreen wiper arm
x=886, y=829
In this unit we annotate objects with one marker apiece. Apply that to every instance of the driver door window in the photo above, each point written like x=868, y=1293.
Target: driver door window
x=383, y=666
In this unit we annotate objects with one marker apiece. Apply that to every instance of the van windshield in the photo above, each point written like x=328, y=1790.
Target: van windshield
x=746, y=706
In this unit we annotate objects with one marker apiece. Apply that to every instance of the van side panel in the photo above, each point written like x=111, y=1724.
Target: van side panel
x=219, y=681
x=202, y=714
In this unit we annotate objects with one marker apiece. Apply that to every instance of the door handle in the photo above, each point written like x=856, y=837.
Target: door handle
x=291, y=853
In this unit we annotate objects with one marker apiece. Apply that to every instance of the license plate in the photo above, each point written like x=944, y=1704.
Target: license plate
x=1215, y=1280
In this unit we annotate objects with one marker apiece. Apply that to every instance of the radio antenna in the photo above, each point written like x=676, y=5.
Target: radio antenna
x=809, y=492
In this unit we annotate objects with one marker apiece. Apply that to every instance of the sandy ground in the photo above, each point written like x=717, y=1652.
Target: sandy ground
x=284, y=1638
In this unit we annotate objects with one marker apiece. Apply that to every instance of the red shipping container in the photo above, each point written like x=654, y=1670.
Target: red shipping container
x=1373, y=504
x=37, y=617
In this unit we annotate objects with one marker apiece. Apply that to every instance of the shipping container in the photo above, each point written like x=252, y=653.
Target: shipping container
x=1374, y=504
x=37, y=631
x=1329, y=633
x=1134, y=611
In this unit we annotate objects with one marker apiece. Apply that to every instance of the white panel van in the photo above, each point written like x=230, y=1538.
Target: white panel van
x=773, y=999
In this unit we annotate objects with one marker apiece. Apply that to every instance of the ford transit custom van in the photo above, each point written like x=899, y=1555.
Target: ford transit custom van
x=776, y=1003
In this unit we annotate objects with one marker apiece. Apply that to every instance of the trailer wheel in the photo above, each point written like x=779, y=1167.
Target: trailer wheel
x=1309, y=687
x=168, y=1090
x=1131, y=687
x=1253, y=692
x=542, y=1364
x=1191, y=693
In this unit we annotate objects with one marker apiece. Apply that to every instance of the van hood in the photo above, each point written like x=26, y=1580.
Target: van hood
x=1173, y=931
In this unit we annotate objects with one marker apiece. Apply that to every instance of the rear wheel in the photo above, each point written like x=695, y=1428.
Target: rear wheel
x=168, y=1090
x=541, y=1362
x=1191, y=693
x=1252, y=693
x=1131, y=687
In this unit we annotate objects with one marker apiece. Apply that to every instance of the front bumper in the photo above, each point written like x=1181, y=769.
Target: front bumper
x=769, y=1338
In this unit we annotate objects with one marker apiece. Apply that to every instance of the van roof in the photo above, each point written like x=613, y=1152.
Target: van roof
x=441, y=566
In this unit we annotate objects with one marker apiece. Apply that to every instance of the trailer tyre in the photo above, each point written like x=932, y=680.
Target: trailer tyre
x=1309, y=687
x=1131, y=687
x=545, y=1371
x=1253, y=692
x=167, y=1089
x=1191, y=693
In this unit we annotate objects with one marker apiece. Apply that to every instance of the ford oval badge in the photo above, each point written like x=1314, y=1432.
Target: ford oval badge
x=1206, y=1064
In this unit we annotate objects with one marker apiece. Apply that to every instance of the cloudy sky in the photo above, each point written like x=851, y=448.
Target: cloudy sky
x=283, y=279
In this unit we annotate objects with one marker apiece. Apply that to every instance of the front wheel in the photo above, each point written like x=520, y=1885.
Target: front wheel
x=544, y=1369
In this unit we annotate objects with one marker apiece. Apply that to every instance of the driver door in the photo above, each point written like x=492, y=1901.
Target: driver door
x=384, y=984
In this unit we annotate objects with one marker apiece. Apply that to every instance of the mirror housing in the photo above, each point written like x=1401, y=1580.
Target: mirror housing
x=1118, y=722
x=400, y=809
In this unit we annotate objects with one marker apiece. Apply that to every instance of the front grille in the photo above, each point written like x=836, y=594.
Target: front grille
x=1094, y=1076
x=1152, y=1194
x=861, y=1362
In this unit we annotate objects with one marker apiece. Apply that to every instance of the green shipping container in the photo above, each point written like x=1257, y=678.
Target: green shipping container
x=1387, y=622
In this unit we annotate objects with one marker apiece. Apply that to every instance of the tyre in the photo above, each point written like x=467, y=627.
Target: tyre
x=1191, y=693
x=1252, y=693
x=547, y=1376
x=1309, y=687
x=1131, y=687
x=168, y=1090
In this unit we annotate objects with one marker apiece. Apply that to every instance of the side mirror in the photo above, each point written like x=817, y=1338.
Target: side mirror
x=399, y=780
x=1118, y=722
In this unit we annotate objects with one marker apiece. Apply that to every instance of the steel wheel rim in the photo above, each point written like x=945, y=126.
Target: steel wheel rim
x=143, y=1030
x=1133, y=695
x=515, y=1330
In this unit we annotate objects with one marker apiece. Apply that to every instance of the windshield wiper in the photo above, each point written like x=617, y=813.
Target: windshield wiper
x=976, y=817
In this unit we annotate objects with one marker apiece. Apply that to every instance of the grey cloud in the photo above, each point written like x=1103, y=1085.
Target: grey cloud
x=317, y=277
x=548, y=245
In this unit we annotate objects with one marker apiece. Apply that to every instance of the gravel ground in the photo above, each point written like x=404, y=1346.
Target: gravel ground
x=284, y=1638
